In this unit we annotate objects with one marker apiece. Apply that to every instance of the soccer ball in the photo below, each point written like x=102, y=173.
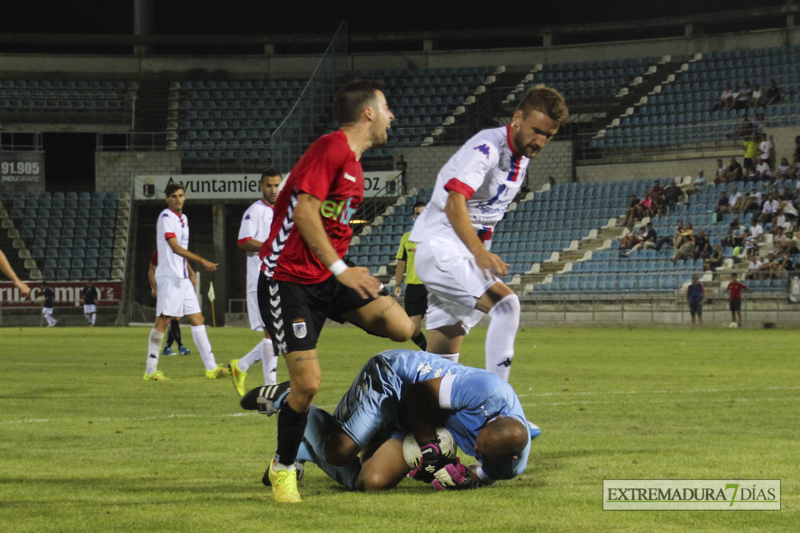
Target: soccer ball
x=734, y=325
x=411, y=451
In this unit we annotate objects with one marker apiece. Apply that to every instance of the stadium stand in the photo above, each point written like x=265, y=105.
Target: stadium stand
x=79, y=101
x=68, y=236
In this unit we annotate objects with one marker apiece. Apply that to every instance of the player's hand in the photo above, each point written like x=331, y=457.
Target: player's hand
x=24, y=290
x=491, y=264
x=397, y=290
x=432, y=461
x=208, y=265
x=153, y=292
x=455, y=477
x=360, y=280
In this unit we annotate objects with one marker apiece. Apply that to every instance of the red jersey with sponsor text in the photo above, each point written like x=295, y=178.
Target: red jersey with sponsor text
x=330, y=172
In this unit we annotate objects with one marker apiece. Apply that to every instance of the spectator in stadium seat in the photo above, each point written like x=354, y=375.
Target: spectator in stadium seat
x=647, y=241
x=672, y=195
x=744, y=130
x=763, y=171
x=697, y=186
x=789, y=210
x=752, y=202
x=734, y=236
x=753, y=267
x=685, y=245
x=755, y=235
x=5, y=268
x=723, y=205
x=702, y=245
x=780, y=220
x=773, y=95
x=756, y=98
x=766, y=149
x=734, y=171
x=715, y=259
x=630, y=210
x=769, y=209
x=629, y=239
x=657, y=189
x=725, y=100
x=645, y=208
x=758, y=123
x=720, y=173
x=743, y=97
x=694, y=297
x=751, y=151
x=673, y=239
x=784, y=169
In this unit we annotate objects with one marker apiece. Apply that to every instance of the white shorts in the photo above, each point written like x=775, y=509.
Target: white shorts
x=176, y=297
x=89, y=309
x=253, y=312
x=47, y=311
x=454, y=282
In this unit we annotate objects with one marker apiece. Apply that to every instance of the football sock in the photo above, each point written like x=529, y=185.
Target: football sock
x=88, y=317
x=204, y=346
x=248, y=360
x=153, y=350
x=450, y=356
x=170, y=337
x=175, y=331
x=94, y=318
x=313, y=449
x=270, y=362
x=500, y=336
x=421, y=341
x=50, y=320
x=291, y=426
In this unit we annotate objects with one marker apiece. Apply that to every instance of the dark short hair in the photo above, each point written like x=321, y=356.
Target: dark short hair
x=352, y=98
x=546, y=100
x=419, y=204
x=270, y=172
x=172, y=187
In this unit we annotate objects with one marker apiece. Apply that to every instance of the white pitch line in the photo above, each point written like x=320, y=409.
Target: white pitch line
x=601, y=402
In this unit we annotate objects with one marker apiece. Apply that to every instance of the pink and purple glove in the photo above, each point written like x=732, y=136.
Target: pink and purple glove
x=455, y=477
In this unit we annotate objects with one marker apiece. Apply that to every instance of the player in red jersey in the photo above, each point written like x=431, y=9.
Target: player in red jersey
x=735, y=290
x=304, y=279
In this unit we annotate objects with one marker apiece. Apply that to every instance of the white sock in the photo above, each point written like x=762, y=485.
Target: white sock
x=94, y=318
x=250, y=359
x=204, y=346
x=153, y=350
x=88, y=318
x=501, y=334
x=269, y=361
x=50, y=320
x=450, y=356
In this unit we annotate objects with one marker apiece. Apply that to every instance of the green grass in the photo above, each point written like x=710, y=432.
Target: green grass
x=86, y=445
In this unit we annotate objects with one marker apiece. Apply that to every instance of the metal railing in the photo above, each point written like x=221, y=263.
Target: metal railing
x=134, y=141
x=25, y=141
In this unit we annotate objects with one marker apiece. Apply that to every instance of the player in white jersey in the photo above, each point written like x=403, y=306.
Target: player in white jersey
x=176, y=296
x=472, y=193
x=254, y=230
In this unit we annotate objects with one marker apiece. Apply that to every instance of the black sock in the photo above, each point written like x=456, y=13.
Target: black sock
x=291, y=426
x=170, y=338
x=421, y=341
x=175, y=329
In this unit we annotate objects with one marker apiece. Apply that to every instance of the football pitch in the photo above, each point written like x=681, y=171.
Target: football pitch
x=87, y=445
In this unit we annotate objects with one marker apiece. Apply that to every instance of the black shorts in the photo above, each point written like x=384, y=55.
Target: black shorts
x=736, y=305
x=696, y=310
x=416, y=302
x=294, y=314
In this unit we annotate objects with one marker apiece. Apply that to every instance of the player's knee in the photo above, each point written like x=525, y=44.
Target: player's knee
x=337, y=451
x=373, y=480
x=402, y=331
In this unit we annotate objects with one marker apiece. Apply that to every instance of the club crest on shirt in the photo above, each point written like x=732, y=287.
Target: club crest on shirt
x=299, y=328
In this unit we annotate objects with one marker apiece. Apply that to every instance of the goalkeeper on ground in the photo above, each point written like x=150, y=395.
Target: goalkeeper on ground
x=401, y=391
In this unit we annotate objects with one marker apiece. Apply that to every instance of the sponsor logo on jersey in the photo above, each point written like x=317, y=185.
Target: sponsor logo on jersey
x=484, y=149
x=349, y=177
x=299, y=328
x=338, y=210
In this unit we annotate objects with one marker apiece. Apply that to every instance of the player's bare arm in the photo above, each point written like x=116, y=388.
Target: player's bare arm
x=457, y=214
x=308, y=220
x=251, y=245
x=183, y=252
x=398, y=277
x=192, y=275
x=5, y=268
x=151, y=277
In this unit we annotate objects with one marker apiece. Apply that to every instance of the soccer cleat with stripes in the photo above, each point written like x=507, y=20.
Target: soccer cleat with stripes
x=238, y=376
x=218, y=372
x=184, y=350
x=264, y=398
x=284, y=484
x=156, y=376
x=168, y=351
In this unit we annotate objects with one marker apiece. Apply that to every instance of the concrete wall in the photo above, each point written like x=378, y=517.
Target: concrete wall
x=654, y=169
x=555, y=160
x=114, y=171
x=783, y=139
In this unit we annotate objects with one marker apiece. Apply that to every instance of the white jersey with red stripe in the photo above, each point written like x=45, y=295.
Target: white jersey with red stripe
x=488, y=172
x=256, y=223
x=171, y=224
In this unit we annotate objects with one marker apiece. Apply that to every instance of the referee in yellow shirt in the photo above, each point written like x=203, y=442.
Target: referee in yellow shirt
x=416, y=302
